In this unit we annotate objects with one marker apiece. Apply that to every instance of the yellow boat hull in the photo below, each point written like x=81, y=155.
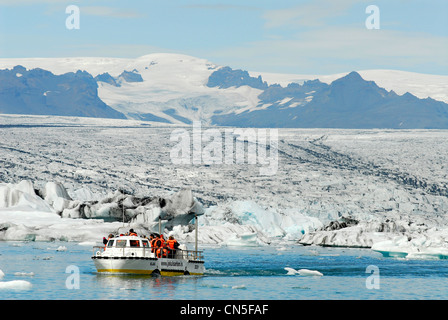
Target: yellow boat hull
x=148, y=266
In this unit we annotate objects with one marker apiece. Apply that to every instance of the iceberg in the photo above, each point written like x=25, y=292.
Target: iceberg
x=56, y=213
x=420, y=247
x=269, y=224
x=180, y=208
x=243, y=240
x=14, y=284
x=56, y=196
x=22, y=197
x=51, y=214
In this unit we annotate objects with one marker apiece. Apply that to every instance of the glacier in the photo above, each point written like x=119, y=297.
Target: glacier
x=386, y=190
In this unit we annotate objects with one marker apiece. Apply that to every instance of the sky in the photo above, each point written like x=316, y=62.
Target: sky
x=282, y=36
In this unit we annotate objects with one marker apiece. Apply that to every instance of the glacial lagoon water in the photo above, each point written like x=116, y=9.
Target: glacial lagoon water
x=65, y=271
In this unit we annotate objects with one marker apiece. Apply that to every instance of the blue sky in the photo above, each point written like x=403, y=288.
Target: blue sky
x=307, y=37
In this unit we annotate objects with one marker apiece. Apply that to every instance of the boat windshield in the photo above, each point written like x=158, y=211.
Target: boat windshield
x=121, y=243
x=134, y=243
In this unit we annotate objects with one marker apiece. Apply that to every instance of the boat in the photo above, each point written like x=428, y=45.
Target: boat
x=132, y=254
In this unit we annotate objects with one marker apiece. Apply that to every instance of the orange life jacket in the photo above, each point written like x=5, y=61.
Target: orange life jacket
x=153, y=244
x=133, y=234
x=171, y=243
x=161, y=253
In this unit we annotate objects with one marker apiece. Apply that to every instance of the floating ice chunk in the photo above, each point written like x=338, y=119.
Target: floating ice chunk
x=303, y=272
x=306, y=272
x=418, y=248
x=242, y=286
x=15, y=285
x=398, y=247
x=26, y=274
x=61, y=248
x=291, y=271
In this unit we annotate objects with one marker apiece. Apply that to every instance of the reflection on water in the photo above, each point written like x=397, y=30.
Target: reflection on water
x=154, y=287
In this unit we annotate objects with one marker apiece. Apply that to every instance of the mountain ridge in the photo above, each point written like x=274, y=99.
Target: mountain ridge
x=180, y=89
x=40, y=92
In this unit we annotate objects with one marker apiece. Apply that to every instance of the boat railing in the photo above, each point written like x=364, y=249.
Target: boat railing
x=148, y=252
x=189, y=254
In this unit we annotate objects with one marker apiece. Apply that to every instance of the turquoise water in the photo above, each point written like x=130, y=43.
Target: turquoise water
x=239, y=273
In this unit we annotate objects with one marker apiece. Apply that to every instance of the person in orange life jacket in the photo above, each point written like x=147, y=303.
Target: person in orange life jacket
x=172, y=246
x=158, y=244
x=105, y=241
x=162, y=252
x=152, y=240
x=132, y=233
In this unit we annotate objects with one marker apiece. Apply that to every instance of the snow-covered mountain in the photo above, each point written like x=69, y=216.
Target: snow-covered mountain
x=421, y=85
x=348, y=102
x=179, y=89
x=173, y=89
x=40, y=92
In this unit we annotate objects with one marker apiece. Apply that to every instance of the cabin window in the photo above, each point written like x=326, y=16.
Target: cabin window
x=110, y=243
x=121, y=243
x=145, y=243
x=134, y=243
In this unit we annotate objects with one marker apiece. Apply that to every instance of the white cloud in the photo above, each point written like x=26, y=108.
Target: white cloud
x=310, y=14
x=319, y=39
x=343, y=49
